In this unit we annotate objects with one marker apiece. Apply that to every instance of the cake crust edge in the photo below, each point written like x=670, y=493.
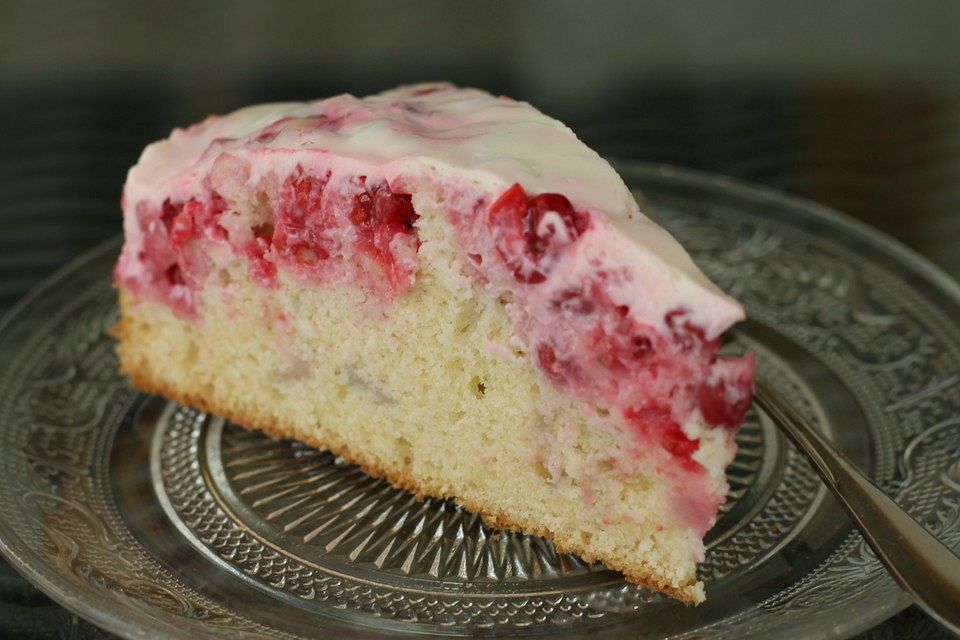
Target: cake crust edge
x=143, y=379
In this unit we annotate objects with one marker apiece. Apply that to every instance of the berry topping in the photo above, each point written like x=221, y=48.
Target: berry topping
x=262, y=267
x=676, y=442
x=311, y=228
x=726, y=401
x=303, y=231
x=655, y=421
x=657, y=375
x=172, y=261
x=383, y=219
x=174, y=275
x=529, y=232
x=183, y=229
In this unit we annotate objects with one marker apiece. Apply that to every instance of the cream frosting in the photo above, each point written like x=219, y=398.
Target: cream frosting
x=460, y=135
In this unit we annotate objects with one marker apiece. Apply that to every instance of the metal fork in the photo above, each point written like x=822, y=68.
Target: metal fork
x=926, y=569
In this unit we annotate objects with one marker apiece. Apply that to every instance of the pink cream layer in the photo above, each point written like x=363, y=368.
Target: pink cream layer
x=361, y=231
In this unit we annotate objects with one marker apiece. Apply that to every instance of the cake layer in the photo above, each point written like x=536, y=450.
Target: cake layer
x=431, y=394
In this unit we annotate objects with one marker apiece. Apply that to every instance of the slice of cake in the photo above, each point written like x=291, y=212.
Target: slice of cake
x=452, y=291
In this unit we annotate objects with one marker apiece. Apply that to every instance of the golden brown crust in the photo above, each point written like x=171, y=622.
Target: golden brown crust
x=142, y=378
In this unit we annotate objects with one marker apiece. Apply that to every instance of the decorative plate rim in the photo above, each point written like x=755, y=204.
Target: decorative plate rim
x=114, y=616
x=24, y=560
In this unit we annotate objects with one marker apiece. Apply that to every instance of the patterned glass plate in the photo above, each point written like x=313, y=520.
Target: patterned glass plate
x=150, y=518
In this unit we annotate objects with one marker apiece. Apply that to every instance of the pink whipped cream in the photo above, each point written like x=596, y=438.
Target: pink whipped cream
x=608, y=304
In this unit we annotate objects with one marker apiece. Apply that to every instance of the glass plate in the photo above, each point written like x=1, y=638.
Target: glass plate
x=151, y=518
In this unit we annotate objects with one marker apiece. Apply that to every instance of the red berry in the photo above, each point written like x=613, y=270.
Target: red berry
x=380, y=216
x=641, y=347
x=540, y=206
x=515, y=222
x=656, y=422
x=715, y=405
x=183, y=229
x=168, y=212
x=301, y=224
x=674, y=440
x=174, y=275
x=547, y=358
x=261, y=267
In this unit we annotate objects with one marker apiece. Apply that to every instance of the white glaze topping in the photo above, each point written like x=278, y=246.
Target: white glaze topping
x=461, y=134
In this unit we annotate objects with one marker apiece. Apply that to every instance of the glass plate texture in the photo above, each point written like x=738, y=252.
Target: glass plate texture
x=149, y=518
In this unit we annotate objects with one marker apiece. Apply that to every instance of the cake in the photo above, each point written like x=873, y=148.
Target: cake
x=450, y=290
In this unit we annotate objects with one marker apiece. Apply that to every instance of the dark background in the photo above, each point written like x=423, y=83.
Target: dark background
x=852, y=104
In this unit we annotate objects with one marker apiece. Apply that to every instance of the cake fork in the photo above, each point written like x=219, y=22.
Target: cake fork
x=923, y=566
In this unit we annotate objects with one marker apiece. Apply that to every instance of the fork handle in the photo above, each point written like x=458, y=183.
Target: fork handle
x=921, y=564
